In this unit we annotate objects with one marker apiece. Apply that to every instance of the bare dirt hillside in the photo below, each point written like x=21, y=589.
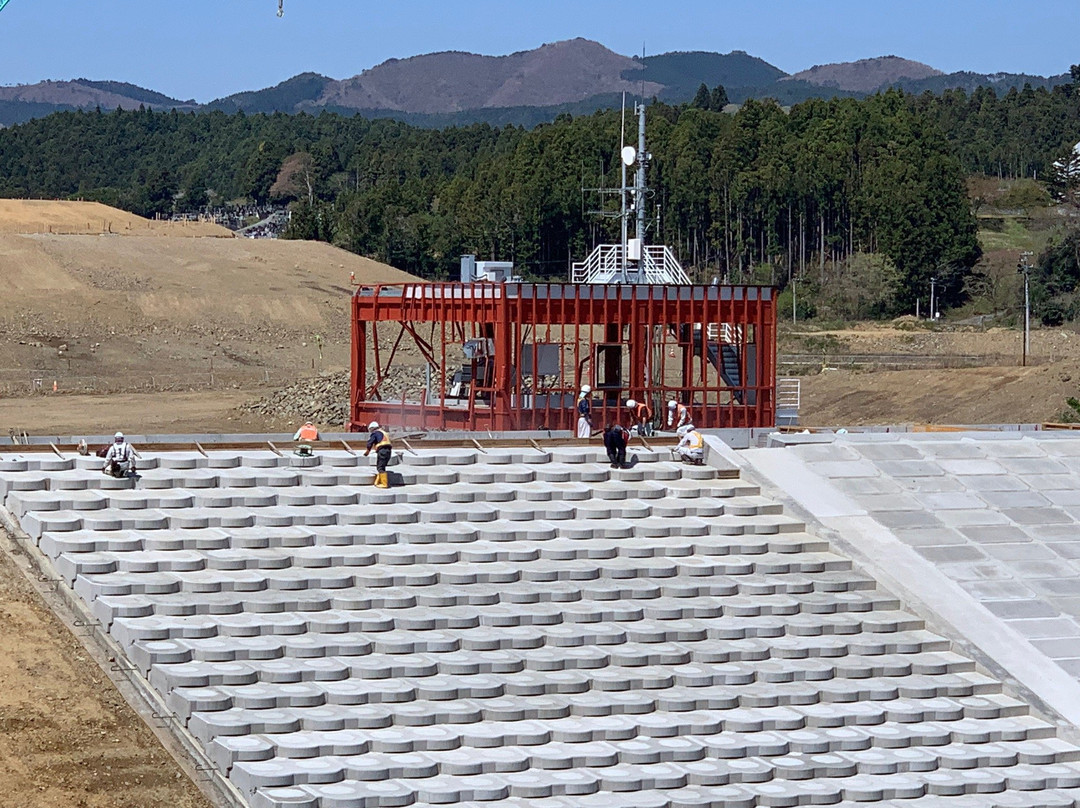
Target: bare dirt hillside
x=110, y=314
x=88, y=311
x=55, y=216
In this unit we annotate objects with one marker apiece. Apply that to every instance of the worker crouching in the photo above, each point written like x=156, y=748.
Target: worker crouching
x=120, y=458
x=691, y=448
x=380, y=442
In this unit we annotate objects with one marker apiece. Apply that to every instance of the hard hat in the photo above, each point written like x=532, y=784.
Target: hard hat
x=631, y=403
x=373, y=426
x=672, y=404
x=682, y=430
x=118, y=436
x=586, y=389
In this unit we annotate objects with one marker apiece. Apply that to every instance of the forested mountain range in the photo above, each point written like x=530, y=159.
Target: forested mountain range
x=575, y=76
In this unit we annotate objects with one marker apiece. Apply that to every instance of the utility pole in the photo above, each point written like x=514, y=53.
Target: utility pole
x=933, y=281
x=1024, y=267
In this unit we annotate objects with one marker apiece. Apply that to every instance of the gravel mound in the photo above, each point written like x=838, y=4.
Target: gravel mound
x=324, y=399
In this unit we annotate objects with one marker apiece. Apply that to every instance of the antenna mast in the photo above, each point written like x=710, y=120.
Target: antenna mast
x=640, y=189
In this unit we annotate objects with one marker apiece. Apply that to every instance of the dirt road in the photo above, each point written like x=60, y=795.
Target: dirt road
x=135, y=413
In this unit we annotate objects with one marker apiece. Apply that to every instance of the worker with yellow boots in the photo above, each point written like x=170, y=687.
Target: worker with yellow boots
x=380, y=442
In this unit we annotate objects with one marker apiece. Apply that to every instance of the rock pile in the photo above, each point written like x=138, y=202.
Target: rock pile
x=325, y=399
x=322, y=400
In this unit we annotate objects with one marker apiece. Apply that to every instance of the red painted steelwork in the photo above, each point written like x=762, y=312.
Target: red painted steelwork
x=533, y=345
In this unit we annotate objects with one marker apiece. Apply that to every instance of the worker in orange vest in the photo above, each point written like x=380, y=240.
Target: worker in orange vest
x=678, y=415
x=307, y=433
x=640, y=417
x=380, y=442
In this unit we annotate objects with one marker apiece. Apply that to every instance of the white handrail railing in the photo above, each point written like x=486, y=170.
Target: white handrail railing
x=658, y=265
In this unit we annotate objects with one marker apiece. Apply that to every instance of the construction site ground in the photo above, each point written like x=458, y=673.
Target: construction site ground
x=833, y=393
x=155, y=327
x=957, y=375
x=67, y=737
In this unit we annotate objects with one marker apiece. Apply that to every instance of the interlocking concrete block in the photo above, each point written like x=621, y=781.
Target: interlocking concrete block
x=953, y=450
x=911, y=468
x=908, y=519
x=685, y=658
x=1034, y=466
x=972, y=517
x=839, y=469
x=999, y=537
x=951, y=501
x=1037, y=516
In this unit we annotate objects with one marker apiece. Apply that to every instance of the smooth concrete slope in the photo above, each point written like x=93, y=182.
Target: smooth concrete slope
x=979, y=527
x=523, y=628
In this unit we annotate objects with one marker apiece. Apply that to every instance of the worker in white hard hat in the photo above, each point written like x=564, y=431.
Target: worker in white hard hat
x=640, y=417
x=584, y=411
x=120, y=458
x=380, y=442
x=678, y=415
x=691, y=446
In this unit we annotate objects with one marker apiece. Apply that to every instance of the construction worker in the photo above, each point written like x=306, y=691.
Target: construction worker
x=615, y=438
x=380, y=442
x=307, y=433
x=691, y=447
x=120, y=458
x=678, y=415
x=640, y=417
x=584, y=411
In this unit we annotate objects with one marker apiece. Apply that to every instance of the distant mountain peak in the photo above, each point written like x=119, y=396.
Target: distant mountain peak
x=450, y=81
x=576, y=76
x=865, y=75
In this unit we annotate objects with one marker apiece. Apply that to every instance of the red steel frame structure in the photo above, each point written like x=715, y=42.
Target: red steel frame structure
x=711, y=347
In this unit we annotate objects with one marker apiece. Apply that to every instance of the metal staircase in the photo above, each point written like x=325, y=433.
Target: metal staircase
x=658, y=265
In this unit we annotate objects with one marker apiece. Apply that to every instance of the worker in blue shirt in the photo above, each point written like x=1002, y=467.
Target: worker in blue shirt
x=584, y=411
x=380, y=442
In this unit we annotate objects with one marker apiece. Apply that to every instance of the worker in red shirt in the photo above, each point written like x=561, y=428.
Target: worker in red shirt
x=640, y=417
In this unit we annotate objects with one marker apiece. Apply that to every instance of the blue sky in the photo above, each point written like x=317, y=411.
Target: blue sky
x=201, y=49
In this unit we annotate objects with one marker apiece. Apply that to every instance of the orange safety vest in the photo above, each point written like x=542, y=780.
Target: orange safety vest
x=642, y=413
x=309, y=432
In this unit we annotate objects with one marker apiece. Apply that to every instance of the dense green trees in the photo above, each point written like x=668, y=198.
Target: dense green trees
x=766, y=194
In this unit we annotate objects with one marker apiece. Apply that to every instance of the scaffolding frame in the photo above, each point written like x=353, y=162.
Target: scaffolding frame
x=491, y=364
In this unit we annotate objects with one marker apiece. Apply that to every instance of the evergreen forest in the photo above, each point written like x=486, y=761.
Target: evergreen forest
x=868, y=196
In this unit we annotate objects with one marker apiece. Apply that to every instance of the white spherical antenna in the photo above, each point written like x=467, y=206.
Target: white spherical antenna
x=629, y=155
